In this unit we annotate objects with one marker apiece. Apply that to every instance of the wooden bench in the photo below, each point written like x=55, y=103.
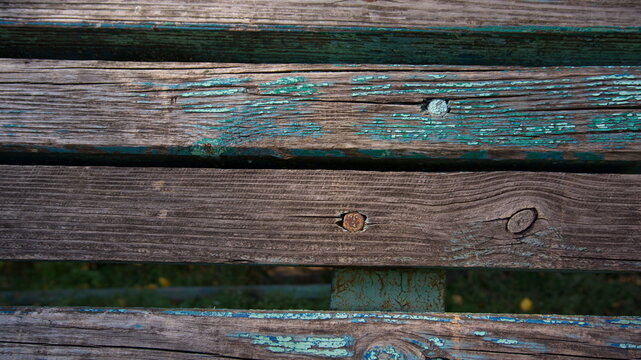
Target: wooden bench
x=278, y=132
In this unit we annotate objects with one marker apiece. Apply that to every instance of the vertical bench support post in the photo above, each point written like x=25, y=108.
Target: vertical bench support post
x=384, y=289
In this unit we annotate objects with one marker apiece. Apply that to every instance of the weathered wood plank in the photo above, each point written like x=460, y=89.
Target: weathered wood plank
x=581, y=221
x=306, y=13
x=321, y=111
x=81, y=333
x=563, y=32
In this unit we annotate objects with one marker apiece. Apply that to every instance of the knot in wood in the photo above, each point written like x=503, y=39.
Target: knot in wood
x=353, y=222
x=387, y=352
x=521, y=220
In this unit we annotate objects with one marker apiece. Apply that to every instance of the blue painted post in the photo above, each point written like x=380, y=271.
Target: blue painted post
x=381, y=289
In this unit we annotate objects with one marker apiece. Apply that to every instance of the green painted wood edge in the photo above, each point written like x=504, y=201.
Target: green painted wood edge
x=407, y=289
x=527, y=45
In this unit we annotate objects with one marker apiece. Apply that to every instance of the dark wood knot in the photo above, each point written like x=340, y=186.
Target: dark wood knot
x=521, y=220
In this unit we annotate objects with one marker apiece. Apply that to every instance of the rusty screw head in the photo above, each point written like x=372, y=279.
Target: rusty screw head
x=521, y=220
x=353, y=222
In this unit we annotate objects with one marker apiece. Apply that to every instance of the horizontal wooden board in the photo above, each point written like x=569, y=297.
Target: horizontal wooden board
x=493, y=219
x=188, y=334
x=560, y=32
x=306, y=13
x=320, y=111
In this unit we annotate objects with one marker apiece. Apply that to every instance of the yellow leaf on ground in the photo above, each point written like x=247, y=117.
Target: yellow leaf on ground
x=457, y=299
x=164, y=282
x=526, y=304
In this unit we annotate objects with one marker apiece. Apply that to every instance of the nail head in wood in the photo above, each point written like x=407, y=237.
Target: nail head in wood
x=353, y=221
x=521, y=220
x=437, y=107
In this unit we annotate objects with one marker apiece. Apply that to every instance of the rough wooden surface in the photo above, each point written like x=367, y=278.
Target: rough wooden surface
x=350, y=13
x=291, y=217
x=563, y=32
x=385, y=289
x=182, y=334
x=291, y=111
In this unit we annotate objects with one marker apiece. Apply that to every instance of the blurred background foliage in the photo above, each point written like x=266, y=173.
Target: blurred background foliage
x=171, y=285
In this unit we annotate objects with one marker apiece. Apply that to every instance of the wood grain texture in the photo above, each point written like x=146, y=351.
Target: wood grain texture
x=320, y=111
x=290, y=217
x=564, y=32
x=180, y=334
x=350, y=13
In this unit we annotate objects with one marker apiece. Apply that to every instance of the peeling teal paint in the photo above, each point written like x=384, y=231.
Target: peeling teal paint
x=432, y=76
x=481, y=129
x=13, y=111
x=220, y=92
x=517, y=344
x=306, y=315
x=372, y=87
x=626, y=346
x=316, y=153
x=615, y=130
x=113, y=311
x=323, y=346
x=290, y=80
x=475, y=155
x=626, y=322
x=433, y=347
x=610, y=77
x=367, y=78
x=588, y=156
x=292, y=85
x=479, y=333
x=214, y=82
x=550, y=155
x=387, y=352
x=123, y=149
x=544, y=320
x=587, y=321
x=168, y=25
x=249, y=121
x=436, y=341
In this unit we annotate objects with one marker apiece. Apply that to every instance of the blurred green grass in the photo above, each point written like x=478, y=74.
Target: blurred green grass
x=466, y=291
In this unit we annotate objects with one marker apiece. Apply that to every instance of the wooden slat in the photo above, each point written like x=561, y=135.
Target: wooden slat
x=187, y=334
x=322, y=111
x=563, y=32
x=387, y=14
x=580, y=221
